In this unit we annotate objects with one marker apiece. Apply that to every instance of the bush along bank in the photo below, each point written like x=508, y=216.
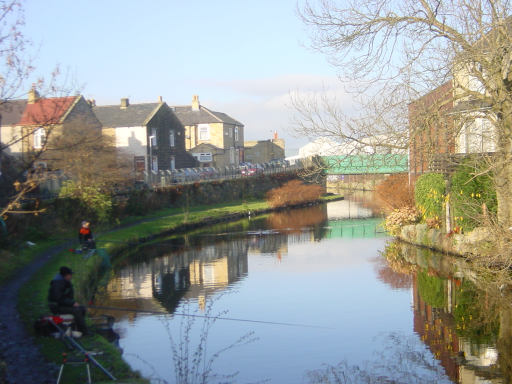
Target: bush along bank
x=92, y=272
x=452, y=214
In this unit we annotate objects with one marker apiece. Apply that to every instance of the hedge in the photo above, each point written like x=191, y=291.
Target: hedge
x=429, y=195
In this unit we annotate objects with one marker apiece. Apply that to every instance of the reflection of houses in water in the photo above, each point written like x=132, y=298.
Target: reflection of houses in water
x=192, y=274
x=464, y=362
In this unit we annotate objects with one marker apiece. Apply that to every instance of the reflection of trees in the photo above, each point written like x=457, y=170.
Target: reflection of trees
x=459, y=322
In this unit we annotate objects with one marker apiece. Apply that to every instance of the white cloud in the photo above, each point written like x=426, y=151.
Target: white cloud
x=263, y=104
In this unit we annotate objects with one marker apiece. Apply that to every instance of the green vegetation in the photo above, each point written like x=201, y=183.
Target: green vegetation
x=429, y=195
x=91, y=197
x=12, y=261
x=469, y=193
x=431, y=289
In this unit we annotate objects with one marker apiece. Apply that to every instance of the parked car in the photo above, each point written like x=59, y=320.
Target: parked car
x=251, y=170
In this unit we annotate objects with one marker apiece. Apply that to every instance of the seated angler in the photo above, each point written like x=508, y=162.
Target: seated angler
x=61, y=299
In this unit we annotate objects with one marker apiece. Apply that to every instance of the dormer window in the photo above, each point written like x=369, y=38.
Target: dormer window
x=39, y=138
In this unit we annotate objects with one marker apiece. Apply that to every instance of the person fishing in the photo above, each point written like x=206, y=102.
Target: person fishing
x=61, y=299
x=85, y=236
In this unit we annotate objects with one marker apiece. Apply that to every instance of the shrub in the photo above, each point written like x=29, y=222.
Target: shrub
x=469, y=193
x=92, y=197
x=429, y=194
x=395, y=192
x=400, y=217
x=294, y=192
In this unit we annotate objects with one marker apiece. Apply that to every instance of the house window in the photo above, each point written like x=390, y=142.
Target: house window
x=236, y=133
x=173, y=163
x=171, y=139
x=204, y=132
x=152, y=138
x=154, y=163
x=39, y=138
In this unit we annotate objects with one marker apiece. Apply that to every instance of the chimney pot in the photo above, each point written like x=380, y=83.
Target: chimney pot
x=160, y=99
x=125, y=102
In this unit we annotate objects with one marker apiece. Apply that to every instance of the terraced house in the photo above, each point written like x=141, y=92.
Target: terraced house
x=214, y=138
x=32, y=129
x=147, y=134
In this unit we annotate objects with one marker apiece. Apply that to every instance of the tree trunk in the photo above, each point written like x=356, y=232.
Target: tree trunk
x=503, y=170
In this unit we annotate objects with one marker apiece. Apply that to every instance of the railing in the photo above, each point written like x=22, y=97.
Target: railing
x=447, y=162
x=51, y=183
x=162, y=179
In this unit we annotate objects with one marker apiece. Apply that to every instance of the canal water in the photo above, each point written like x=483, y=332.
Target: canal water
x=363, y=309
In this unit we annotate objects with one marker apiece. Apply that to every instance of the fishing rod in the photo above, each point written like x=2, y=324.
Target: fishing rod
x=105, y=308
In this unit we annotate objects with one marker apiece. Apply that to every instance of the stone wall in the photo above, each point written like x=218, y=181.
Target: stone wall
x=457, y=244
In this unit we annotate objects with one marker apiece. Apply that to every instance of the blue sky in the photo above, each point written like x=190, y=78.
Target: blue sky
x=240, y=57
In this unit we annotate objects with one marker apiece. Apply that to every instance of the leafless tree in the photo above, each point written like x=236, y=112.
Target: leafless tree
x=394, y=52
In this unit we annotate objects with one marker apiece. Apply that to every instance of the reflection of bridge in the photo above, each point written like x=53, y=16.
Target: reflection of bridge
x=355, y=229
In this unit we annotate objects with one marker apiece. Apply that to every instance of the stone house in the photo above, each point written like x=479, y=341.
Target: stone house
x=29, y=127
x=264, y=151
x=213, y=138
x=147, y=134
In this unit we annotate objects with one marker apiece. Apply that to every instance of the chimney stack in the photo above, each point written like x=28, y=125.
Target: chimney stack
x=125, y=102
x=92, y=102
x=160, y=99
x=33, y=95
x=195, y=103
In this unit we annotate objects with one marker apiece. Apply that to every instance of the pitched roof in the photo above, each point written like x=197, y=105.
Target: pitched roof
x=187, y=116
x=47, y=110
x=135, y=115
x=11, y=111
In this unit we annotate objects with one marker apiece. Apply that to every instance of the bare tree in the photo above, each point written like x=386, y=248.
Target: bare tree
x=394, y=52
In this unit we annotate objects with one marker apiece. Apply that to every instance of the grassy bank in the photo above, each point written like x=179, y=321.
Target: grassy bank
x=89, y=273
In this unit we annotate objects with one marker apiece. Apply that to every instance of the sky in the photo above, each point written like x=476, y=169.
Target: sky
x=241, y=57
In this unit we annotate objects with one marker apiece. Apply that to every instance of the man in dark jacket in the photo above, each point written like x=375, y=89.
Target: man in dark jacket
x=61, y=298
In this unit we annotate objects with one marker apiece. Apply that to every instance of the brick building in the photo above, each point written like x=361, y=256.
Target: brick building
x=431, y=128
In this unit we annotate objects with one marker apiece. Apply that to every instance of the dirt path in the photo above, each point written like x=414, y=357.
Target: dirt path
x=25, y=364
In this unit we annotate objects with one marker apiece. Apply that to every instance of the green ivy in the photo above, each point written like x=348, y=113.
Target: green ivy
x=429, y=194
x=469, y=192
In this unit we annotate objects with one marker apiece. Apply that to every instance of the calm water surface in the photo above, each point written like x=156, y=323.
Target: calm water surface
x=390, y=312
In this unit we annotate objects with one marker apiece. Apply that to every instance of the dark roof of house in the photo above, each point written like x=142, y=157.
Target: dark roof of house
x=187, y=116
x=11, y=111
x=135, y=115
x=49, y=110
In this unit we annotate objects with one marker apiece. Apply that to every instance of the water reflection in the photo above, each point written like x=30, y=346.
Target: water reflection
x=464, y=327
x=405, y=316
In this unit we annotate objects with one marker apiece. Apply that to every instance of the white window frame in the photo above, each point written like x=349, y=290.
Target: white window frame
x=173, y=163
x=154, y=141
x=236, y=133
x=154, y=163
x=39, y=137
x=172, y=138
x=203, y=132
